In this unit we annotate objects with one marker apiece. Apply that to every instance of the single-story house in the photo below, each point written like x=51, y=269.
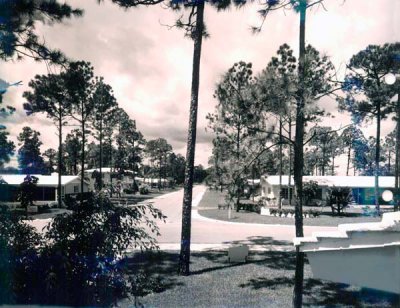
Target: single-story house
x=46, y=186
x=153, y=182
x=109, y=176
x=362, y=186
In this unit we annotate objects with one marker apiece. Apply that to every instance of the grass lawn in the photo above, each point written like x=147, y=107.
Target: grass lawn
x=208, y=207
x=266, y=280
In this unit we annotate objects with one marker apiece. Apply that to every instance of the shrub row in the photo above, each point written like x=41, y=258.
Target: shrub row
x=287, y=212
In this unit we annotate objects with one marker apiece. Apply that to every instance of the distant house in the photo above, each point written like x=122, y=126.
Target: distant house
x=46, y=186
x=109, y=176
x=362, y=186
x=153, y=182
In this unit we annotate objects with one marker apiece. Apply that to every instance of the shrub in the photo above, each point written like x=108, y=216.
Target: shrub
x=79, y=260
x=18, y=252
x=144, y=189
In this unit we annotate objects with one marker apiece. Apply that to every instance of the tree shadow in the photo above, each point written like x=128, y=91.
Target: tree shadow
x=158, y=265
x=329, y=294
x=261, y=241
x=272, y=284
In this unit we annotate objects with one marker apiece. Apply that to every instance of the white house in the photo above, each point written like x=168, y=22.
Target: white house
x=362, y=186
x=108, y=178
x=46, y=186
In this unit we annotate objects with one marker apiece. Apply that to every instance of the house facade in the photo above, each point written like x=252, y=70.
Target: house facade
x=362, y=187
x=46, y=189
x=109, y=177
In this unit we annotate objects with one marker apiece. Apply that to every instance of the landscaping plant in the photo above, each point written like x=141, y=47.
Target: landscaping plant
x=79, y=259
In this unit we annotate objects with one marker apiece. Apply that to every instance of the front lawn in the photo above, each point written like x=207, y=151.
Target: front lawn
x=208, y=207
x=266, y=280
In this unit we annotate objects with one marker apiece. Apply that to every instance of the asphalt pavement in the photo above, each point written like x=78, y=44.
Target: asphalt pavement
x=212, y=234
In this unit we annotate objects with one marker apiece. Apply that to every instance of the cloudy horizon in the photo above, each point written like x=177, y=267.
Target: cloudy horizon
x=149, y=64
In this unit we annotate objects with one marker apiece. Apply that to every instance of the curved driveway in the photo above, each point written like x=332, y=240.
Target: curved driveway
x=208, y=233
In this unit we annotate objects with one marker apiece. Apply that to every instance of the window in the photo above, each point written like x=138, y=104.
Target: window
x=76, y=188
x=285, y=193
x=269, y=190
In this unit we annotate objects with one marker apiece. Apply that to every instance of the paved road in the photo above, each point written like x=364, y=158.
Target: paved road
x=208, y=233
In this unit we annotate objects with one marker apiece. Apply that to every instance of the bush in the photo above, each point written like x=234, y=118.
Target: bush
x=144, y=189
x=286, y=212
x=79, y=260
x=18, y=252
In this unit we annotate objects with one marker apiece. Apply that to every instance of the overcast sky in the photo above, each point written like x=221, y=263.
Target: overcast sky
x=149, y=65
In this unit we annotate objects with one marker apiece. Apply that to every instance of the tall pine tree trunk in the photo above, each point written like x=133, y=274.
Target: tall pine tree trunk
x=184, y=257
x=101, y=154
x=377, y=155
x=280, y=164
x=348, y=160
x=59, y=163
x=396, y=167
x=290, y=162
x=299, y=161
x=82, y=159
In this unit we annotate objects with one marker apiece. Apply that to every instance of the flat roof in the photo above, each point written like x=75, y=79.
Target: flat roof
x=336, y=180
x=44, y=180
x=105, y=169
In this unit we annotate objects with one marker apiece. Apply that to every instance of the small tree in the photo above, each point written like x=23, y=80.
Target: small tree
x=7, y=147
x=29, y=156
x=104, y=107
x=339, y=198
x=27, y=191
x=79, y=82
x=310, y=191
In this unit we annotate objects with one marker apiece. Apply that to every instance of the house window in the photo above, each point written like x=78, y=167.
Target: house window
x=269, y=190
x=76, y=188
x=285, y=193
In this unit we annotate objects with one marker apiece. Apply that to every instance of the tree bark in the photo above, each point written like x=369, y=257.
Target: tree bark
x=290, y=162
x=59, y=199
x=184, y=257
x=82, y=160
x=348, y=160
x=396, y=167
x=101, y=154
x=280, y=164
x=377, y=155
x=299, y=160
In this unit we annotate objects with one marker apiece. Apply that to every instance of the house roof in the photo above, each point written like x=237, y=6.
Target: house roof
x=44, y=180
x=104, y=169
x=338, y=181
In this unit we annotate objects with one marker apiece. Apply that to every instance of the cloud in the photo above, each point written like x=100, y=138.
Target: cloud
x=149, y=65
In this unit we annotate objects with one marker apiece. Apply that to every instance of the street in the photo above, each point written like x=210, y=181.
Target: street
x=208, y=233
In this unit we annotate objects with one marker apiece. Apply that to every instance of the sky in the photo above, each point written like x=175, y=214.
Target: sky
x=149, y=64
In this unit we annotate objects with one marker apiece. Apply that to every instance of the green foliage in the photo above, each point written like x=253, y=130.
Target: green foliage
x=176, y=167
x=157, y=151
x=7, y=147
x=80, y=260
x=51, y=156
x=339, y=198
x=144, y=189
x=29, y=156
x=72, y=148
x=18, y=242
x=27, y=191
x=18, y=21
x=310, y=191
